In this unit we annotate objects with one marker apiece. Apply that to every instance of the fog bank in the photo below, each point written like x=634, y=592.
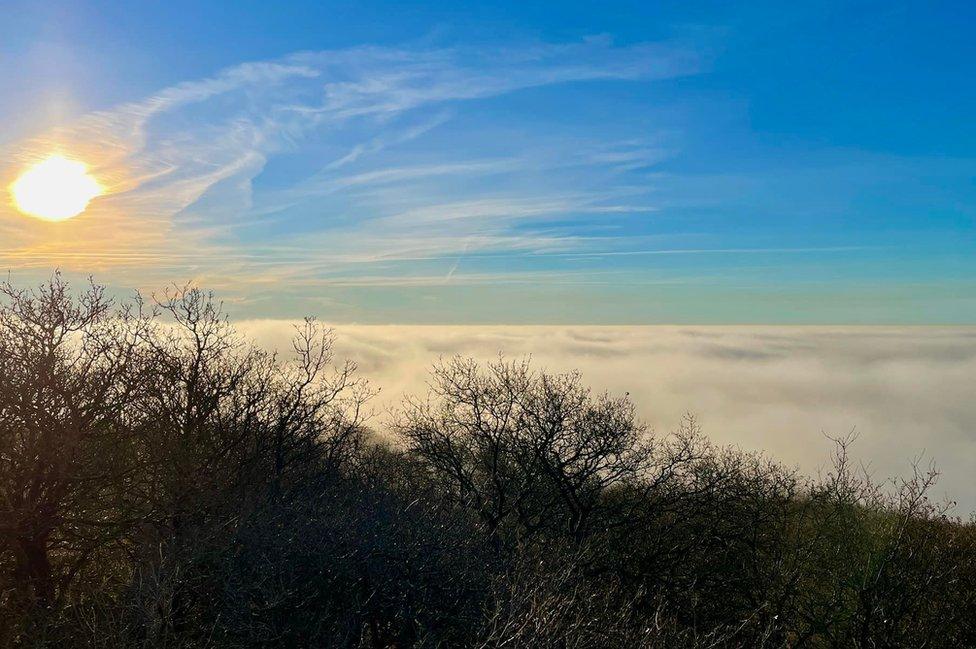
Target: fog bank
x=908, y=391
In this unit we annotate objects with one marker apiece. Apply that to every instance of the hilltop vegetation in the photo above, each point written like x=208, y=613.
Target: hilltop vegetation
x=165, y=484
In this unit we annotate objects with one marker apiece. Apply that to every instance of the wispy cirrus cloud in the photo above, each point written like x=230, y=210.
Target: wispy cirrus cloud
x=190, y=189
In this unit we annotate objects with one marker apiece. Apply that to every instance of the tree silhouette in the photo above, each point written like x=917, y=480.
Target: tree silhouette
x=166, y=484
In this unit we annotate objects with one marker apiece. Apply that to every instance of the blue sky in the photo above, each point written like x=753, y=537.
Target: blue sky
x=509, y=162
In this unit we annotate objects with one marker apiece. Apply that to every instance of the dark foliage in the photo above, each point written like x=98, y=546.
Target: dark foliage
x=165, y=484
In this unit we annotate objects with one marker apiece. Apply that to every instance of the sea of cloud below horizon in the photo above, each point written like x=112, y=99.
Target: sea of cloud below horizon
x=906, y=391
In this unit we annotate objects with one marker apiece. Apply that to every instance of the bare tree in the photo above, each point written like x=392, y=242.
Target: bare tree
x=530, y=447
x=69, y=368
x=229, y=432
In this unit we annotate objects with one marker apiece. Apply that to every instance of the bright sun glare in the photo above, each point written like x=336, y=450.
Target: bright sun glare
x=55, y=189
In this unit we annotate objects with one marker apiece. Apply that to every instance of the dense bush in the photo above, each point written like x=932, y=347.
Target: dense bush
x=165, y=484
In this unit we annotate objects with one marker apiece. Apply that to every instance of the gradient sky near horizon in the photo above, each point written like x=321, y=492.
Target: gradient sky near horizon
x=507, y=162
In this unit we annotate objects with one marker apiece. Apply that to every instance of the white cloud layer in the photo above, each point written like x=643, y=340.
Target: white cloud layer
x=908, y=391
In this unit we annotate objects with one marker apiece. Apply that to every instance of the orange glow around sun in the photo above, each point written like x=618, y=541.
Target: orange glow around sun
x=55, y=189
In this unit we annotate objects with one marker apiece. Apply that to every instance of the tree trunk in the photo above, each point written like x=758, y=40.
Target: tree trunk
x=33, y=572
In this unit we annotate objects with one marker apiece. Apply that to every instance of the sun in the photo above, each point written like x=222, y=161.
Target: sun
x=55, y=189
